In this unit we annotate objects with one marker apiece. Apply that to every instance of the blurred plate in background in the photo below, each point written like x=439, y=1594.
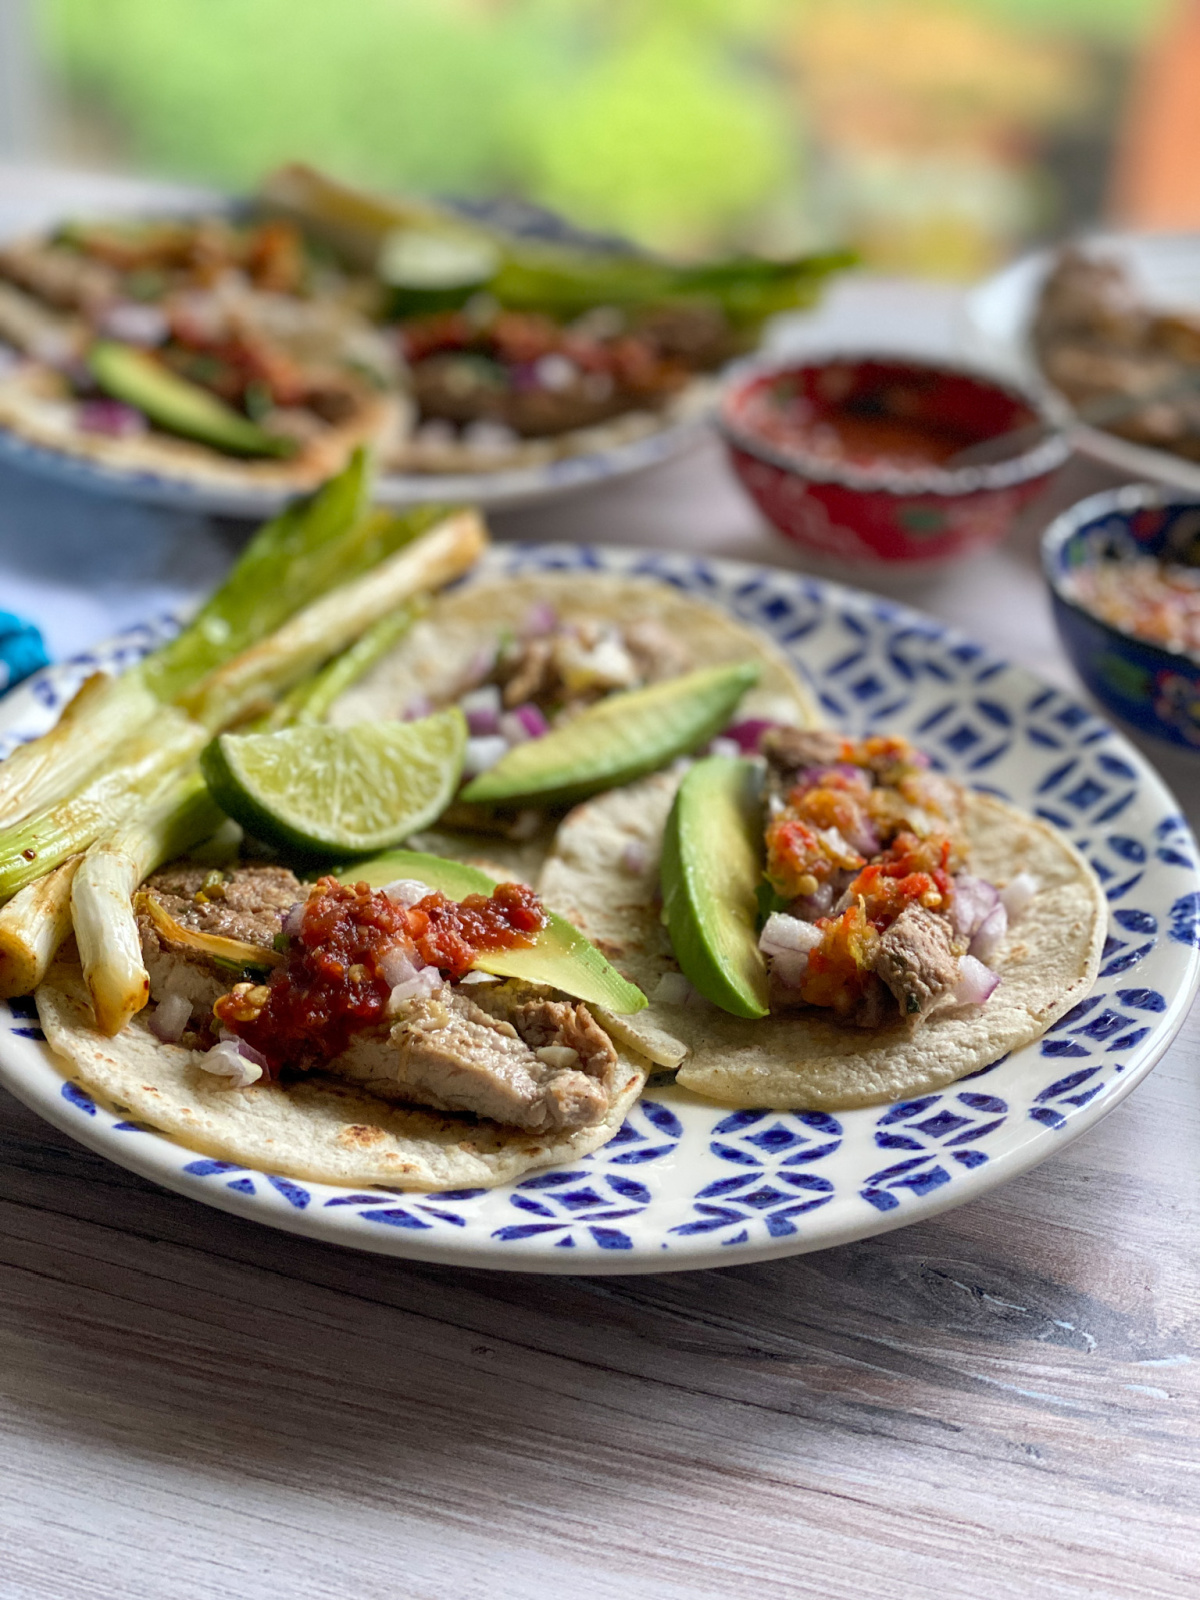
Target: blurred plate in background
x=999, y=318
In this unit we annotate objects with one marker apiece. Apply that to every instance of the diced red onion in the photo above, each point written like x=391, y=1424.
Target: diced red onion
x=294, y=920
x=228, y=1059
x=973, y=899
x=634, y=858
x=399, y=965
x=540, y=619
x=555, y=372
x=784, y=934
x=989, y=933
x=417, y=708
x=474, y=977
x=134, y=323
x=673, y=989
x=975, y=982
x=112, y=418
x=747, y=733
x=482, y=709
x=171, y=1017
x=1018, y=896
x=725, y=747
x=862, y=837
x=405, y=892
x=482, y=662
x=812, y=906
x=482, y=753
x=418, y=987
x=531, y=720
x=788, y=968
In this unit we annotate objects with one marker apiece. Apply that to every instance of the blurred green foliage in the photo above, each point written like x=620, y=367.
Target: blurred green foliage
x=675, y=121
x=660, y=119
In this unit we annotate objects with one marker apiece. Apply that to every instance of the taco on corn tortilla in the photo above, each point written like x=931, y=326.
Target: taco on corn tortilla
x=423, y=1061
x=906, y=931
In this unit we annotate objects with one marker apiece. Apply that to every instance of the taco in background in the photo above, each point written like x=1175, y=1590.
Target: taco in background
x=862, y=930
x=529, y=657
x=217, y=353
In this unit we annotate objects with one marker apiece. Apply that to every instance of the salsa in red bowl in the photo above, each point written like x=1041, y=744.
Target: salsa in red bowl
x=852, y=456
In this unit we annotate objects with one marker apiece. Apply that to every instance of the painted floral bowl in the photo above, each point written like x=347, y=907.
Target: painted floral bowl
x=862, y=510
x=1155, y=689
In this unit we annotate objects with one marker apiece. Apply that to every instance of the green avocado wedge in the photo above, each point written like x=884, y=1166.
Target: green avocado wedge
x=177, y=406
x=559, y=956
x=711, y=868
x=617, y=740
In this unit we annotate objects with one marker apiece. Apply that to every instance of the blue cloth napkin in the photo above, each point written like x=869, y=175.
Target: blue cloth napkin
x=21, y=650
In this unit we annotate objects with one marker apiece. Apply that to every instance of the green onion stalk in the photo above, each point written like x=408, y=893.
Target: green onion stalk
x=252, y=682
x=106, y=930
x=61, y=792
x=560, y=278
x=100, y=898
x=32, y=926
x=291, y=560
x=140, y=766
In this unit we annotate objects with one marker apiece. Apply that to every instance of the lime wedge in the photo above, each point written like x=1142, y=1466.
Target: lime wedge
x=339, y=791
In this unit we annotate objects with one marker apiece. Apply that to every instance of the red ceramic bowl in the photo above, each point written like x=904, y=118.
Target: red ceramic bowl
x=863, y=506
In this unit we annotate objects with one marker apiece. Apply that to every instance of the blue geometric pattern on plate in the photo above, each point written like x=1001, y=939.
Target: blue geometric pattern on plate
x=689, y=1183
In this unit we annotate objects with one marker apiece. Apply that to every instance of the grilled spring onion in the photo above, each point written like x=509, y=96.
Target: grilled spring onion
x=234, y=952
x=311, y=701
x=288, y=563
x=102, y=712
x=561, y=279
x=110, y=949
x=32, y=926
x=250, y=683
x=139, y=768
x=101, y=902
x=132, y=771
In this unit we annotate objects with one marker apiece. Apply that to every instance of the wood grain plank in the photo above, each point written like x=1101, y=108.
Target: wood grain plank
x=1002, y=1402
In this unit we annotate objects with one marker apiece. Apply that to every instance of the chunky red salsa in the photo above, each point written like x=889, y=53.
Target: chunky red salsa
x=332, y=982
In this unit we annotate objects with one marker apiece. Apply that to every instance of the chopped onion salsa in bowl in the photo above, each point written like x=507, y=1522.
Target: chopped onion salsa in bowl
x=1124, y=575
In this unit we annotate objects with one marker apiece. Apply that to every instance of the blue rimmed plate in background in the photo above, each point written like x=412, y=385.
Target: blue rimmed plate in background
x=690, y=1184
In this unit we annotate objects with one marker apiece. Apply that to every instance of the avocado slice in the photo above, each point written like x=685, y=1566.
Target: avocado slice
x=617, y=740
x=559, y=956
x=177, y=406
x=711, y=868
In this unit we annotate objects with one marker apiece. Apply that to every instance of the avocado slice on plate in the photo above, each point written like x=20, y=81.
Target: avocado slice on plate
x=177, y=406
x=617, y=740
x=711, y=869
x=560, y=956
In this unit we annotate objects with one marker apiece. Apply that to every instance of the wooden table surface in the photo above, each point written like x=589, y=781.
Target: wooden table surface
x=1002, y=1402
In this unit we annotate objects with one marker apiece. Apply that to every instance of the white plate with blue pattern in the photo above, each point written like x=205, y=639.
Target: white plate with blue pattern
x=689, y=1184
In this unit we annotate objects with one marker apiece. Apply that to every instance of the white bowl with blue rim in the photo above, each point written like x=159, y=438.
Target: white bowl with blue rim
x=687, y=1183
x=1154, y=689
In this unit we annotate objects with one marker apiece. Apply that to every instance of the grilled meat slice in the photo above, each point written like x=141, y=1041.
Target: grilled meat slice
x=789, y=751
x=248, y=903
x=550, y=1024
x=451, y=1054
x=918, y=960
